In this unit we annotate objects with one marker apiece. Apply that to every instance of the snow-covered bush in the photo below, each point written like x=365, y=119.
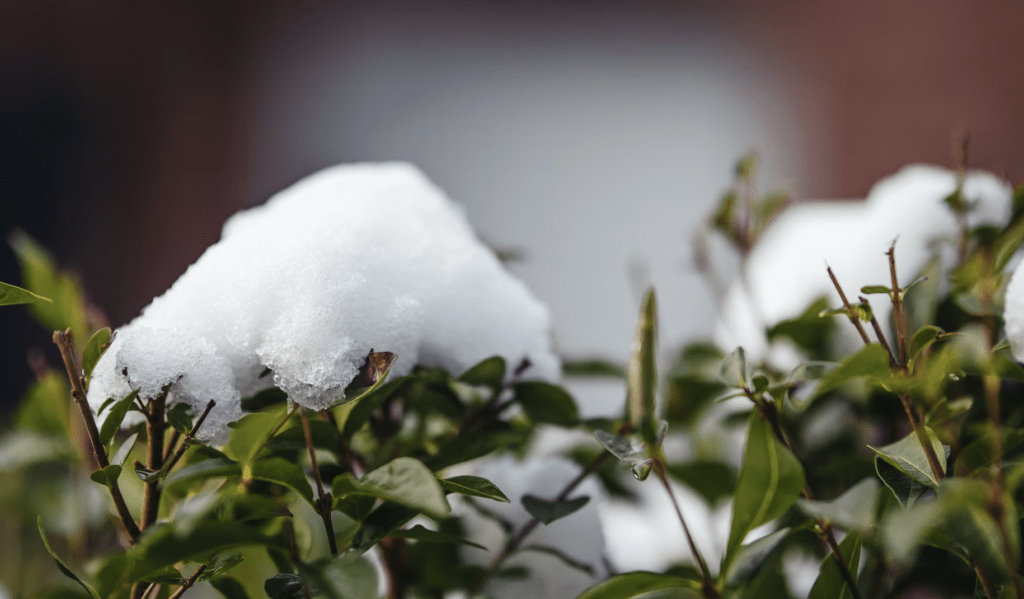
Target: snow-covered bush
x=344, y=397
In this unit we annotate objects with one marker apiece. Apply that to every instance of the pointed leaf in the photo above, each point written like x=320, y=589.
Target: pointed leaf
x=875, y=289
x=750, y=557
x=106, y=476
x=733, y=370
x=60, y=565
x=115, y=416
x=549, y=511
x=11, y=296
x=489, y=373
x=907, y=456
x=371, y=376
x=642, y=379
x=831, y=584
x=546, y=403
x=404, y=480
x=473, y=486
x=769, y=482
x=180, y=417
x=871, y=361
x=419, y=533
x=94, y=349
x=643, y=584
x=285, y=473
x=853, y=510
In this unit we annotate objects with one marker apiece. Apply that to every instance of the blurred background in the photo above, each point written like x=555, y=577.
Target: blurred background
x=591, y=137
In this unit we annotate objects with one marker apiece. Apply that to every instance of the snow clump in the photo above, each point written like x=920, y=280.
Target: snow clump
x=785, y=271
x=353, y=258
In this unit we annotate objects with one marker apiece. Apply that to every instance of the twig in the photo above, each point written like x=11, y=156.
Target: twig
x=897, y=310
x=708, y=588
x=324, y=501
x=63, y=341
x=155, y=426
x=188, y=583
x=289, y=531
x=168, y=464
x=513, y=543
x=849, y=309
x=171, y=443
x=880, y=335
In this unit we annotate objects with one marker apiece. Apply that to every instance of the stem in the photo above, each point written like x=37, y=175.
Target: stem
x=707, y=585
x=155, y=426
x=769, y=412
x=986, y=583
x=169, y=463
x=849, y=309
x=881, y=336
x=517, y=539
x=188, y=583
x=324, y=501
x=997, y=505
x=897, y=309
x=63, y=341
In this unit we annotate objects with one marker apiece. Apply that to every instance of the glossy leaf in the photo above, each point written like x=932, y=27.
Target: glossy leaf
x=546, y=403
x=473, y=486
x=750, y=557
x=643, y=584
x=907, y=456
x=115, y=416
x=106, y=476
x=251, y=433
x=284, y=473
x=770, y=480
x=60, y=565
x=853, y=510
x=831, y=584
x=419, y=533
x=93, y=351
x=180, y=417
x=872, y=361
x=488, y=373
x=12, y=296
x=550, y=511
x=404, y=480
x=284, y=586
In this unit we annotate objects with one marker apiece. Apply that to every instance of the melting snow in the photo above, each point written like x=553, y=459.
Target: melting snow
x=353, y=258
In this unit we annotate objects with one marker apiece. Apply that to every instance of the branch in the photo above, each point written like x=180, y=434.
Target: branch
x=324, y=501
x=188, y=583
x=707, y=585
x=849, y=309
x=897, y=309
x=63, y=341
x=168, y=464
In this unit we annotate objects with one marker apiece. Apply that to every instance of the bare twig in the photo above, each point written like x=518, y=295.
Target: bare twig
x=849, y=309
x=168, y=464
x=155, y=427
x=897, y=310
x=708, y=588
x=64, y=343
x=324, y=498
x=191, y=580
x=880, y=335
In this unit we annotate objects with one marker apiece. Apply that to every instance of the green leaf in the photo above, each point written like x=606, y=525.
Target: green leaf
x=41, y=277
x=831, y=584
x=643, y=584
x=752, y=556
x=924, y=338
x=347, y=576
x=180, y=418
x=271, y=396
x=361, y=411
x=380, y=523
x=115, y=416
x=853, y=510
x=642, y=378
x=60, y=565
x=12, y=296
x=404, y=480
x=371, y=376
x=284, y=473
x=770, y=480
x=206, y=469
x=251, y=433
x=473, y=486
x=284, y=586
x=94, y=348
x=871, y=361
x=221, y=563
x=549, y=511
x=106, y=476
x=489, y=373
x=629, y=450
x=875, y=289
x=546, y=403
x=562, y=556
x=595, y=367
x=419, y=533
x=23, y=448
x=733, y=370
x=907, y=456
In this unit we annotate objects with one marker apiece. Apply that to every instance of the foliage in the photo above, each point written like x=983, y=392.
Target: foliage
x=922, y=483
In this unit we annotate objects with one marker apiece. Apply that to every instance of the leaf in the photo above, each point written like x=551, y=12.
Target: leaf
x=180, y=418
x=206, y=469
x=221, y=563
x=733, y=370
x=381, y=522
x=595, y=367
x=270, y=396
x=561, y=555
x=60, y=565
x=907, y=456
x=875, y=289
x=229, y=587
x=12, y=296
x=371, y=401
x=404, y=480
x=831, y=584
x=284, y=586
x=546, y=403
x=549, y=511
x=41, y=277
x=752, y=556
x=642, y=377
x=251, y=433
x=473, y=486
x=853, y=510
x=372, y=375
x=489, y=373
x=284, y=473
x=629, y=450
x=115, y=416
x=419, y=533
x=643, y=584
x=106, y=476
x=94, y=348
x=347, y=576
x=769, y=482
x=871, y=361
x=22, y=448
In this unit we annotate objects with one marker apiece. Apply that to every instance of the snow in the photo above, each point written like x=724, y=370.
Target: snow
x=785, y=272
x=353, y=258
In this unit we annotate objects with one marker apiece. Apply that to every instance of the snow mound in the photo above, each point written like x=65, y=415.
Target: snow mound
x=353, y=258
x=785, y=272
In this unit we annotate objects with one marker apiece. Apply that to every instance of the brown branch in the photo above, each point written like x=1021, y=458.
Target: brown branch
x=188, y=583
x=897, y=310
x=849, y=309
x=64, y=343
x=168, y=464
x=707, y=585
x=324, y=499
x=880, y=335
x=155, y=427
